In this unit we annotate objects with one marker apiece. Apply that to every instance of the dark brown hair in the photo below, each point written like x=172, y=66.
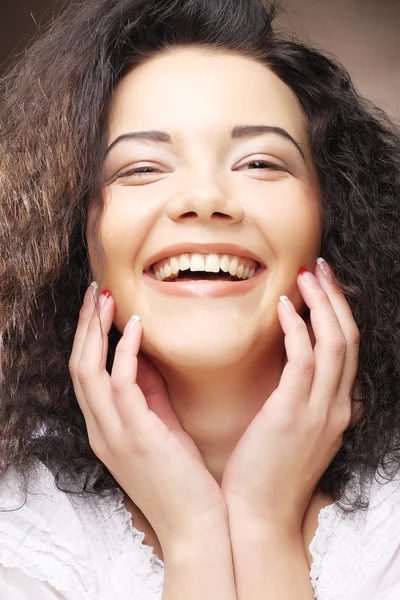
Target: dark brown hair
x=53, y=131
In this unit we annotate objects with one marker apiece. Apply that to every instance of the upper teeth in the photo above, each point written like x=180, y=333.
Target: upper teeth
x=211, y=263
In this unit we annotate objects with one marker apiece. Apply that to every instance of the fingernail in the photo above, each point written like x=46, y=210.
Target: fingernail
x=104, y=296
x=309, y=277
x=287, y=304
x=131, y=324
x=325, y=268
x=90, y=293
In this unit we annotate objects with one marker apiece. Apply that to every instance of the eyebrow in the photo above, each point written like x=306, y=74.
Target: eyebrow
x=237, y=132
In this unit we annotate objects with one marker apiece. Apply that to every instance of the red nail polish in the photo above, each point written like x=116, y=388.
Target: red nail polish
x=106, y=293
x=302, y=271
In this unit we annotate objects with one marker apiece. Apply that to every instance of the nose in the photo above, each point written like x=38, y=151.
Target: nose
x=205, y=202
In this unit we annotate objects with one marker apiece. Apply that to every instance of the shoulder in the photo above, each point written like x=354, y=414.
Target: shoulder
x=84, y=547
x=356, y=555
x=42, y=535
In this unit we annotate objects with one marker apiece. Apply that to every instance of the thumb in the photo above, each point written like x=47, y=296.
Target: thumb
x=154, y=389
x=148, y=377
x=310, y=335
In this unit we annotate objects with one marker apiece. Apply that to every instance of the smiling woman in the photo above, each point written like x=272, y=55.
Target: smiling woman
x=220, y=406
x=215, y=179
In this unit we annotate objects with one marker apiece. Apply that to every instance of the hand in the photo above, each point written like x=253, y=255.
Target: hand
x=135, y=432
x=276, y=465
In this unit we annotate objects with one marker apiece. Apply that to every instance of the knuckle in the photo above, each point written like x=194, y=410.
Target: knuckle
x=338, y=347
x=140, y=444
x=306, y=362
x=288, y=422
x=354, y=336
x=119, y=384
x=85, y=374
x=318, y=421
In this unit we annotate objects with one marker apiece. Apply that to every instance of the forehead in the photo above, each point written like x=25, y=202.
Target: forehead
x=194, y=91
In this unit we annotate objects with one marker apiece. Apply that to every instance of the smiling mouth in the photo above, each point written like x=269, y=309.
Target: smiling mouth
x=205, y=276
x=189, y=275
x=202, y=276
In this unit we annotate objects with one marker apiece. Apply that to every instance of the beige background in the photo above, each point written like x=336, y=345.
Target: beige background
x=362, y=34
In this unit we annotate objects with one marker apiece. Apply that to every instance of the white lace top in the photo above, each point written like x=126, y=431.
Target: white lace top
x=58, y=546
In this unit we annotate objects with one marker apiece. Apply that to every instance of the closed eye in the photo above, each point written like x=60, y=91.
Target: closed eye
x=138, y=171
x=260, y=165
x=265, y=165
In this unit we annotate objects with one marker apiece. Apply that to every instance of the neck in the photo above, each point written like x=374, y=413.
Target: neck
x=215, y=406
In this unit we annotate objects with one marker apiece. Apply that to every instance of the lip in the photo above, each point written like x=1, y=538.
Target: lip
x=205, y=288
x=202, y=248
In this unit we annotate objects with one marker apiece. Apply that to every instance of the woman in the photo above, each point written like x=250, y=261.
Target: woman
x=196, y=168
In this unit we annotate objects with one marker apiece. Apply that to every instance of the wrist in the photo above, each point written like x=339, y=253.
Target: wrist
x=260, y=522
x=207, y=548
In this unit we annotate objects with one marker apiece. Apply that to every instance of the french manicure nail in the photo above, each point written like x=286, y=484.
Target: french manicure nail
x=287, y=304
x=131, y=324
x=325, y=268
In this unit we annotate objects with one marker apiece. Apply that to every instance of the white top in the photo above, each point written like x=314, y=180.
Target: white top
x=64, y=547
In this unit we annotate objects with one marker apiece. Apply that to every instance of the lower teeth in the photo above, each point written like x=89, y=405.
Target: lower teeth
x=202, y=278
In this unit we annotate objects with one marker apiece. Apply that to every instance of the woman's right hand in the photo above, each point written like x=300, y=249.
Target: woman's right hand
x=135, y=432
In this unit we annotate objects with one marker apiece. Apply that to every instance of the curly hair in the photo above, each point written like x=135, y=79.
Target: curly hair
x=54, y=108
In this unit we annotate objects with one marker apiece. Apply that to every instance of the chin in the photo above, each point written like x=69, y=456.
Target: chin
x=197, y=348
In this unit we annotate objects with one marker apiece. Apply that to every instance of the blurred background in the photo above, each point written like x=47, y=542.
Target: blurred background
x=362, y=34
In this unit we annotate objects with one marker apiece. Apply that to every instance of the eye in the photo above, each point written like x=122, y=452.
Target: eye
x=137, y=171
x=265, y=165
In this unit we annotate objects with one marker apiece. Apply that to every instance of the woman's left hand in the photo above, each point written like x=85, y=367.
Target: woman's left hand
x=276, y=465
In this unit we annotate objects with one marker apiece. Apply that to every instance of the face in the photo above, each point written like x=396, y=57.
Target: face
x=210, y=186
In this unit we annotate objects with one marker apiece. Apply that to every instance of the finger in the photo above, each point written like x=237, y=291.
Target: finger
x=149, y=390
x=95, y=345
x=155, y=391
x=297, y=375
x=129, y=398
x=330, y=346
x=345, y=317
x=83, y=323
x=79, y=338
x=92, y=375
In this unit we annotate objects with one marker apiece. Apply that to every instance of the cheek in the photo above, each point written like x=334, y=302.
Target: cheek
x=294, y=223
x=123, y=228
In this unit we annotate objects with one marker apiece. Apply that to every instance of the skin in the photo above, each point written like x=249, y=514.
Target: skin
x=223, y=384
x=217, y=380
